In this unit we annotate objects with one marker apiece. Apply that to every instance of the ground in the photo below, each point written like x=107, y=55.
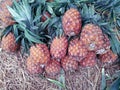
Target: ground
x=14, y=76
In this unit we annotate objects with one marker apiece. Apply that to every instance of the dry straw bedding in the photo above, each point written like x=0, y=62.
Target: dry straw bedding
x=14, y=76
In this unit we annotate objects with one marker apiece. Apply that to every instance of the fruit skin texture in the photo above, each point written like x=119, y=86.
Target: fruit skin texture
x=53, y=68
x=77, y=49
x=93, y=38
x=108, y=57
x=58, y=47
x=8, y=43
x=69, y=64
x=90, y=60
x=5, y=15
x=33, y=67
x=106, y=45
x=71, y=22
x=40, y=53
x=44, y=16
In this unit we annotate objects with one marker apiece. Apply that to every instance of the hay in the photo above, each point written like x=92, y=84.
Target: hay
x=14, y=76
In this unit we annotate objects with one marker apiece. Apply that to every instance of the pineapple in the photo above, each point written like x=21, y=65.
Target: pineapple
x=8, y=43
x=71, y=22
x=33, y=67
x=108, y=57
x=5, y=15
x=58, y=47
x=53, y=68
x=69, y=64
x=77, y=49
x=106, y=45
x=90, y=60
x=93, y=38
x=40, y=53
x=45, y=16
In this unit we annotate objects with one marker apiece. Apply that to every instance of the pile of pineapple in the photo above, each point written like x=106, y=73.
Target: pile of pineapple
x=71, y=45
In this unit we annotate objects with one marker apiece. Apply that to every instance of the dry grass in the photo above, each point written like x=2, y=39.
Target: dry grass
x=14, y=76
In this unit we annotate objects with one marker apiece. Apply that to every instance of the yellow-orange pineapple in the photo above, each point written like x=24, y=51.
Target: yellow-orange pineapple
x=5, y=15
x=33, y=67
x=53, y=67
x=94, y=39
x=69, y=64
x=90, y=60
x=40, y=53
x=8, y=43
x=108, y=57
x=106, y=44
x=77, y=49
x=71, y=22
x=58, y=47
